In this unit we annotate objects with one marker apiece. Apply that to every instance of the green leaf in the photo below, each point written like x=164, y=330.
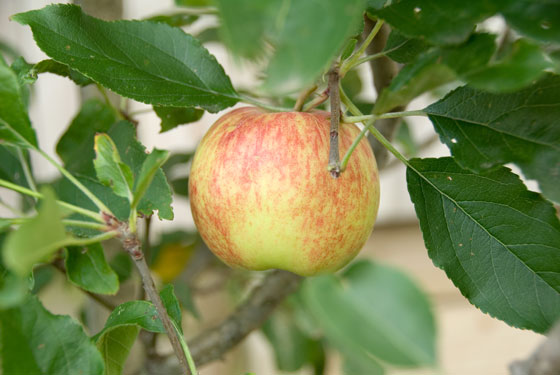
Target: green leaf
x=438, y=22
x=300, y=56
x=115, y=346
x=435, y=68
x=11, y=168
x=111, y=171
x=158, y=195
x=172, y=306
x=171, y=117
x=15, y=126
x=406, y=140
x=177, y=19
x=396, y=324
x=193, y=3
x=68, y=192
x=522, y=66
x=13, y=288
x=246, y=38
x=184, y=296
x=28, y=73
x=353, y=367
x=142, y=314
x=403, y=49
x=498, y=242
x=536, y=19
x=34, y=341
x=122, y=265
x=36, y=239
x=136, y=59
x=484, y=130
x=348, y=48
x=88, y=269
x=75, y=147
x=292, y=348
x=54, y=67
x=422, y=75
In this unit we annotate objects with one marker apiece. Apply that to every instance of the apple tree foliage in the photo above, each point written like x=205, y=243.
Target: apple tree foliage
x=496, y=240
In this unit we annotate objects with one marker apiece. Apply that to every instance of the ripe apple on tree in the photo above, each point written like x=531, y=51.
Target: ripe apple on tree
x=262, y=197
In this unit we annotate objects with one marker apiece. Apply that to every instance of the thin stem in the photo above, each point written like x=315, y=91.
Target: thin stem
x=90, y=240
x=334, y=153
x=353, y=146
x=26, y=170
x=82, y=211
x=84, y=224
x=190, y=361
x=352, y=60
x=377, y=134
x=317, y=101
x=362, y=118
x=249, y=100
x=76, y=209
x=103, y=93
x=303, y=97
x=76, y=183
x=134, y=248
x=73, y=223
x=372, y=129
x=368, y=58
x=20, y=189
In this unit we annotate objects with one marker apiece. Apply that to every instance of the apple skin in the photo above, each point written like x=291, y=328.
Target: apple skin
x=261, y=195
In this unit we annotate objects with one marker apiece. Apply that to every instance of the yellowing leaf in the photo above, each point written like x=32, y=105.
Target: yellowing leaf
x=172, y=259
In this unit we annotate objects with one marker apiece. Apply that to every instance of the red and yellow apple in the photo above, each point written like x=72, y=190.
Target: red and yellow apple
x=262, y=197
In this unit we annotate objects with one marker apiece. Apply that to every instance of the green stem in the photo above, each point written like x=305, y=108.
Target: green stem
x=76, y=209
x=372, y=129
x=90, y=240
x=77, y=183
x=188, y=356
x=362, y=118
x=352, y=60
x=377, y=134
x=249, y=100
x=132, y=218
x=353, y=146
x=84, y=224
x=26, y=170
x=368, y=58
x=103, y=93
x=68, y=222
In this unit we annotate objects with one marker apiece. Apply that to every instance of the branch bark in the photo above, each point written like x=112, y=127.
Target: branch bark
x=133, y=247
x=545, y=360
x=384, y=70
x=212, y=344
x=334, y=154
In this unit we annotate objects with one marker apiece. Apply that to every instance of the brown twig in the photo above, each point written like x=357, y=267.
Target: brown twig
x=334, y=154
x=545, y=360
x=133, y=247
x=317, y=101
x=303, y=97
x=213, y=343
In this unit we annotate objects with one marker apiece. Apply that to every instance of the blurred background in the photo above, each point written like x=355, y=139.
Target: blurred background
x=469, y=342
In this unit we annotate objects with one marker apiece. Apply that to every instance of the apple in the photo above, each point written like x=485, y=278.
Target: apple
x=262, y=197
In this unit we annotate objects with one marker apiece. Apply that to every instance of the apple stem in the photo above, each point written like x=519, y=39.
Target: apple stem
x=334, y=156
